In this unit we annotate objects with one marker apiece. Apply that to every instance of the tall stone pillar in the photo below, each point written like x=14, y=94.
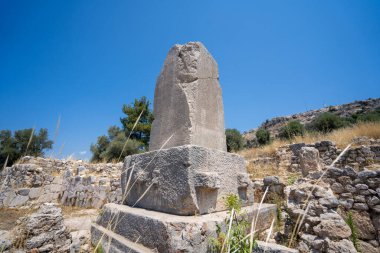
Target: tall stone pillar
x=188, y=100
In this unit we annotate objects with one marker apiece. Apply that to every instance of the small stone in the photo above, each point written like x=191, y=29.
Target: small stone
x=376, y=208
x=367, y=247
x=335, y=172
x=35, y=193
x=372, y=201
x=344, y=245
x=335, y=229
x=344, y=180
x=337, y=188
x=360, y=159
x=81, y=170
x=361, y=187
x=346, y=203
x=360, y=206
x=348, y=171
x=350, y=188
x=366, y=174
x=360, y=199
x=363, y=223
x=346, y=195
x=271, y=180
x=329, y=202
x=23, y=191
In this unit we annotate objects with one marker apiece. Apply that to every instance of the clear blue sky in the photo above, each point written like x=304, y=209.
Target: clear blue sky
x=84, y=59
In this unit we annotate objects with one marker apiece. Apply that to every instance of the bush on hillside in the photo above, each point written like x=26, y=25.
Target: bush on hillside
x=327, y=122
x=262, y=136
x=234, y=140
x=292, y=129
x=373, y=116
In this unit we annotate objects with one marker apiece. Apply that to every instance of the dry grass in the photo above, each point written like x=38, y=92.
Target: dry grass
x=9, y=216
x=261, y=170
x=341, y=137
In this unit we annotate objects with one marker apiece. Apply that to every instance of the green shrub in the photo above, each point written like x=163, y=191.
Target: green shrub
x=234, y=140
x=263, y=136
x=292, y=129
x=369, y=117
x=327, y=122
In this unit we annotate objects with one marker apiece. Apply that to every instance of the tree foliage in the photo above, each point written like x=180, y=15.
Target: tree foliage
x=22, y=142
x=142, y=129
x=234, y=140
x=292, y=129
x=114, y=146
x=263, y=136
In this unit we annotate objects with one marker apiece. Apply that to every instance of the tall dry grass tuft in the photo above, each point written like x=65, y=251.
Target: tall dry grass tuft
x=30, y=141
x=129, y=136
x=56, y=133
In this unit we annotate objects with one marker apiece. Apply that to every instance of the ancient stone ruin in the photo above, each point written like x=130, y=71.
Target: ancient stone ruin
x=173, y=196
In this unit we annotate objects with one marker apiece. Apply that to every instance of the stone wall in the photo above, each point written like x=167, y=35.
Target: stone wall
x=359, y=192
x=357, y=156
x=76, y=183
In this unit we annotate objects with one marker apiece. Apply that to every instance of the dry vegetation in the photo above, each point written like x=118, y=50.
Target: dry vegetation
x=341, y=137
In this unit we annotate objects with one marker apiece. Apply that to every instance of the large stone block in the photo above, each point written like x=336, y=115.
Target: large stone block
x=188, y=100
x=121, y=228
x=185, y=180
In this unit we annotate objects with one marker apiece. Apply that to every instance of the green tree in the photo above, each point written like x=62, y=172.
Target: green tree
x=234, y=140
x=263, y=136
x=292, y=129
x=326, y=122
x=114, y=146
x=23, y=142
x=141, y=132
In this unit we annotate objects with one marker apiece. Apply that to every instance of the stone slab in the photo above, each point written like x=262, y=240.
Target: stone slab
x=161, y=232
x=185, y=180
x=188, y=100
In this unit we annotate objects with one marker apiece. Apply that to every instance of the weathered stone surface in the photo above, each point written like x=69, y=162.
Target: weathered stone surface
x=363, y=223
x=43, y=230
x=335, y=229
x=188, y=100
x=185, y=180
x=344, y=245
x=5, y=240
x=263, y=247
x=368, y=248
x=165, y=232
x=309, y=160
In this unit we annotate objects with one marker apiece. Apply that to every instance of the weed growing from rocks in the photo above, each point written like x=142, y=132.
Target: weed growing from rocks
x=235, y=238
x=354, y=231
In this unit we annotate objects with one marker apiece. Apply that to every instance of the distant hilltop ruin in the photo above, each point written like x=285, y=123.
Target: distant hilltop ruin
x=345, y=110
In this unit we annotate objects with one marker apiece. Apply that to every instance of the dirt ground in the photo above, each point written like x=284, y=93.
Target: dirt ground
x=9, y=216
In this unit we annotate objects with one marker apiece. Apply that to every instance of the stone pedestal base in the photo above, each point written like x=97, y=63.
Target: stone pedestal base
x=185, y=180
x=120, y=228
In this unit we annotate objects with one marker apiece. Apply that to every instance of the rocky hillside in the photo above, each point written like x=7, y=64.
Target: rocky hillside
x=274, y=125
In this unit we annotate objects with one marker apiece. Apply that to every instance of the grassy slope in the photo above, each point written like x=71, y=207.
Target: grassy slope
x=341, y=137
